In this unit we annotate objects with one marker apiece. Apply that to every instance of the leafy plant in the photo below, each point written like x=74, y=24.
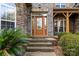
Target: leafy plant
x=70, y=44
x=11, y=42
x=27, y=35
x=77, y=33
x=60, y=34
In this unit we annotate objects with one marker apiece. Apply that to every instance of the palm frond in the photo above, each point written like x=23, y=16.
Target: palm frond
x=12, y=40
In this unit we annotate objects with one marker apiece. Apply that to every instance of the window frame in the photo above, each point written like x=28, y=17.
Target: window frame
x=6, y=20
x=60, y=5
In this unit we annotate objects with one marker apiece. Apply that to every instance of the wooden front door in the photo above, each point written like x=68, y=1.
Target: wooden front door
x=39, y=26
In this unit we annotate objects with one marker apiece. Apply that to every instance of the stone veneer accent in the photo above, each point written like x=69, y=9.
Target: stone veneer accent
x=23, y=17
x=48, y=6
x=50, y=19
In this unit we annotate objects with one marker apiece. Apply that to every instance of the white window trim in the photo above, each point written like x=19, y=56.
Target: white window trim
x=15, y=17
x=7, y=20
x=0, y=18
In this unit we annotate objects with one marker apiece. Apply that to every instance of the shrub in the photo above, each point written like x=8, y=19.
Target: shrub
x=70, y=44
x=11, y=42
x=77, y=33
x=27, y=35
x=60, y=34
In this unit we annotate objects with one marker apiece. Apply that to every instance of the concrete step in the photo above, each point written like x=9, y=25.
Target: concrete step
x=42, y=49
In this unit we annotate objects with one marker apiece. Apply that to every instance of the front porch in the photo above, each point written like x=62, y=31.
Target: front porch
x=65, y=20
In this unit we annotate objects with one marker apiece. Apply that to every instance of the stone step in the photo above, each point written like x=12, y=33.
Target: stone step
x=40, y=53
x=53, y=43
x=42, y=40
x=40, y=44
x=42, y=49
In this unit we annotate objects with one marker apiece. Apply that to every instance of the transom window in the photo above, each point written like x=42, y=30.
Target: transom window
x=60, y=5
x=7, y=15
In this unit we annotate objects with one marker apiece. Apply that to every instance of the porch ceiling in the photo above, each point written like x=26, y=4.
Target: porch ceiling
x=72, y=10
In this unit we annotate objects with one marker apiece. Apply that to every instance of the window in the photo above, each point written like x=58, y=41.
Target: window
x=63, y=5
x=6, y=24
x=60, y=5
x=7, y=15
x=57, y=5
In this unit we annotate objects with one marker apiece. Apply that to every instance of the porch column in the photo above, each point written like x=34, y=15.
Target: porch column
x=67, y=15
x=67, y=22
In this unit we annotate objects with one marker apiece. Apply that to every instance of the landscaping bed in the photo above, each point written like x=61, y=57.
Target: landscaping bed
x=69, y=43
x=12, y=42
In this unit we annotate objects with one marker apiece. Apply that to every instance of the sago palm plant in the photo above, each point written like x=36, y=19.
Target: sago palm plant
x=11, y=42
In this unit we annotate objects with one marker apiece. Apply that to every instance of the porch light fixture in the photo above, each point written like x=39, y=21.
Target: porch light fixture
x=39, y=6
x=44, y=14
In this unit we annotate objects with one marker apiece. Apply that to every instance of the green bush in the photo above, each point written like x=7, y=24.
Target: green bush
x=70, y=44
x=11, y=42
x=77, y=33
x=60, y=34
x=27, y=35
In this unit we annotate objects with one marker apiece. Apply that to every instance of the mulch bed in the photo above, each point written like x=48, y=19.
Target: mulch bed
x=58, y=51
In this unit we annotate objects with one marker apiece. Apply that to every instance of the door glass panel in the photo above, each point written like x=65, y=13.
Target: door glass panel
x=39, y=23
x=45, y=22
